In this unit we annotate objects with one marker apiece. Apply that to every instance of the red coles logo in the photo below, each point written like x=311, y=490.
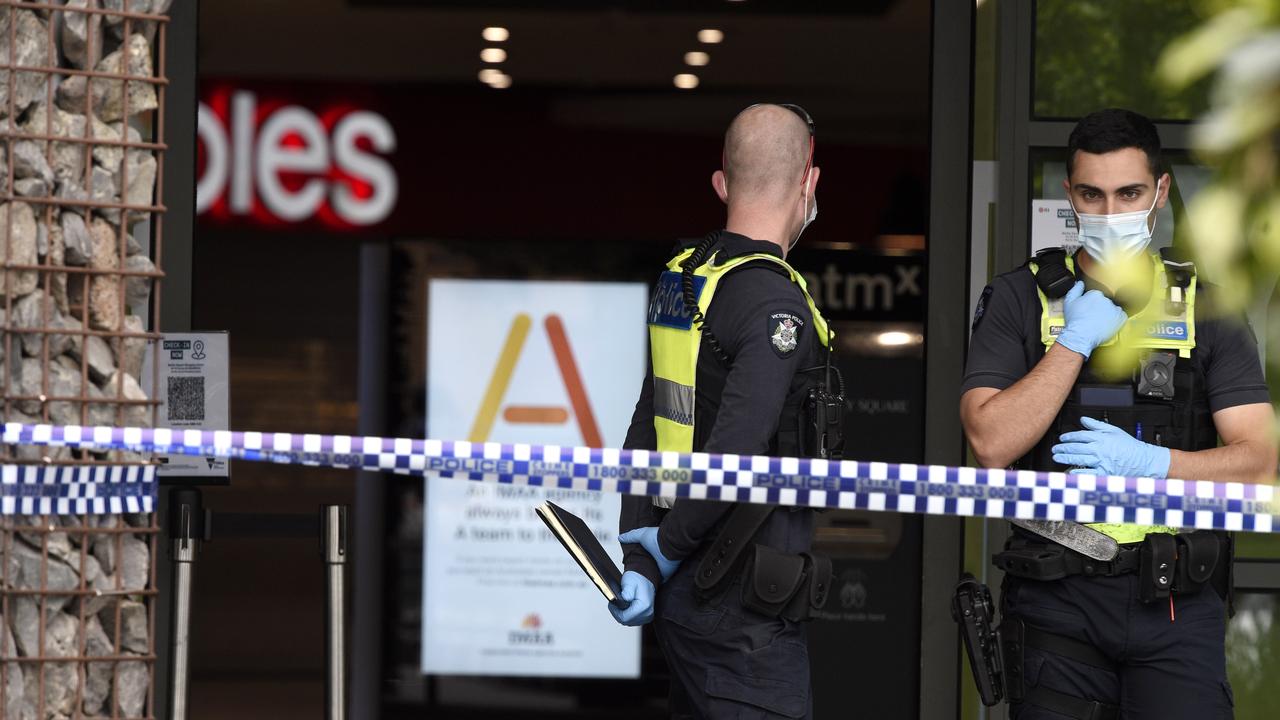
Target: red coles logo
x=274, y=162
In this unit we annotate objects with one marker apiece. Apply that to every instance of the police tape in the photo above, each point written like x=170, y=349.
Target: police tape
x=78, y=490
x=846, y=484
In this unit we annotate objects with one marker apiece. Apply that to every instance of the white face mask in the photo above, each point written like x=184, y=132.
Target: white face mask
x=1116, y=237
x=813, y=214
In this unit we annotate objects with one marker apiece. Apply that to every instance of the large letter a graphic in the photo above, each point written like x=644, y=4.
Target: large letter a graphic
x=501, y=379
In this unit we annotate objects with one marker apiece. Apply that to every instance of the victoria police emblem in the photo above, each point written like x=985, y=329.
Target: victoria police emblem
x=784, y=332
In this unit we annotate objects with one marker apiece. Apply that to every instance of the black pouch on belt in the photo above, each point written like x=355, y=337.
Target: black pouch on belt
x=813, y=595
x=1156, y=561
x=1198, y=554
x=773, y=579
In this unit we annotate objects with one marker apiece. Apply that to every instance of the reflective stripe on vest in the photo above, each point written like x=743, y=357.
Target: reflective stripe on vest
x=674, y=342
x=1154, y=328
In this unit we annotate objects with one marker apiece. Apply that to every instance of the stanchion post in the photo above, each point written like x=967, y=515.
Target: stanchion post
x=333, y=547
x=187, y=529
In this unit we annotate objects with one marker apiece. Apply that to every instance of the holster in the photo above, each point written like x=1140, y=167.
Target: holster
x=786, y=586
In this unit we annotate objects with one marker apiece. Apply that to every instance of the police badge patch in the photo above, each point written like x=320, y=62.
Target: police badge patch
x=784, y=332
x=981, y=309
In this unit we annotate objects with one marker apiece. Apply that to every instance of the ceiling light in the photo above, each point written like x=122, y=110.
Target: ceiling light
x=495, y=34
x=710, y=36
x=696, y=58
x=493, y=55
x=686, y=81
x=895, y=338
x=488, y=75
x=502, y=82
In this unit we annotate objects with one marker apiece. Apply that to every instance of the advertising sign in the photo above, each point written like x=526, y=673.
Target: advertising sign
x=865, y=286
x=278, y=162
x=537, y=362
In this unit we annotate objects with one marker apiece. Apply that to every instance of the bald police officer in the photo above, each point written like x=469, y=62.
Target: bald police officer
x=735, y=343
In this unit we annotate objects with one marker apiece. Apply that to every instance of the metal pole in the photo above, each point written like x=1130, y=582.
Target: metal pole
x=367, y=531
x=333, y=547
x=187, y=528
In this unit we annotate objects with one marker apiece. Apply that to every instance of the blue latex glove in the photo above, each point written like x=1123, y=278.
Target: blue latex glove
x=647, y=537
x=1092, y=319
x=1105, y=449
x=639, y=592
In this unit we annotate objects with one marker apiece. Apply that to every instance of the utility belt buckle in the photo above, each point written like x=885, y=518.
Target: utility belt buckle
x=1074, y=536
x=1043, y=564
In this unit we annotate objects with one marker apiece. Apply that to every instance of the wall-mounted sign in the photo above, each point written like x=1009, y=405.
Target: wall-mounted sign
x=1053, y=224
x=859, y=285
x=195, y=390
x=272, y=160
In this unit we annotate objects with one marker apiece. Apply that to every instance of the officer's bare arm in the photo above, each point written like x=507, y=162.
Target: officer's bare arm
x=1248, y=452
x=1003, y=425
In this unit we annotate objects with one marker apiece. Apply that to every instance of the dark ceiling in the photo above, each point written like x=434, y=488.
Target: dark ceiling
x=861, y=67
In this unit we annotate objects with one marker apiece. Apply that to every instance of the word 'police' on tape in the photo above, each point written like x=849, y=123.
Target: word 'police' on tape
x=77, y=490
x=846, y=484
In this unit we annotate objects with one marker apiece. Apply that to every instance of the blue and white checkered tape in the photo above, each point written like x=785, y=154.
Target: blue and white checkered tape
x=850, y=484
x=76, y=490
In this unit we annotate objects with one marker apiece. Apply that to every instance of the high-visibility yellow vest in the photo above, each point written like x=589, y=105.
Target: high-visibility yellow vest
x=1166, y=323
x=1161, y=325
x=675, y=342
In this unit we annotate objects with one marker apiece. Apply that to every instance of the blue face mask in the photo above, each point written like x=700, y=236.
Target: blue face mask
x=1116, y=237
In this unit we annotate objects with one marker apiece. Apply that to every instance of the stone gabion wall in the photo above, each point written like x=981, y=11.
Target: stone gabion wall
x=78, y=182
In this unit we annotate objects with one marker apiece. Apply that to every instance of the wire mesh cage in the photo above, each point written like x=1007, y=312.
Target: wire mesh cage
x=81, y=100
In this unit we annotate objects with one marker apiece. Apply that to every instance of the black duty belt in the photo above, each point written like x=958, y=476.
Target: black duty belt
x=1045, y=561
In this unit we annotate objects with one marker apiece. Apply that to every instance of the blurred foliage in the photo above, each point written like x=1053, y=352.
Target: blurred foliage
x=1092, y=54
x=1253, y=655
x=1233, y=223
x=1233, y=227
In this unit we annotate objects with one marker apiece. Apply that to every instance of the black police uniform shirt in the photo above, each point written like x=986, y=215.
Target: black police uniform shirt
x=738, y=405
x=1006, y=342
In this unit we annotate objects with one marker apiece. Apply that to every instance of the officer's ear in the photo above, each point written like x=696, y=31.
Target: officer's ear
x=1163, y=196
x=811, y=182
x=721, y=185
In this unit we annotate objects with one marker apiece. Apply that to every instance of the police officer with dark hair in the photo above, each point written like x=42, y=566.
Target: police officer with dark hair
x=736, y=347
x=1111, y=361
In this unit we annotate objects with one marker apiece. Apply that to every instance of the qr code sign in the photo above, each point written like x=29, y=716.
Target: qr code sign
x=186, y=398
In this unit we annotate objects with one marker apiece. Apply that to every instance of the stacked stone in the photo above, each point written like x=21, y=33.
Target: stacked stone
x=93, y=601
x=91, y=586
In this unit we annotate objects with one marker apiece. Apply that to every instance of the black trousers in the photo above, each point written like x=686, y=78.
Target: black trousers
x=1170, y=665
x=728, y=662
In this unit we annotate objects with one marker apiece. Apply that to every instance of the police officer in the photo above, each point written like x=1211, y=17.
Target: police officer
x=735, y=343
x=1111, y=361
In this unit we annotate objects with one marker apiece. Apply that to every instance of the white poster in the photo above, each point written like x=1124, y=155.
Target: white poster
x=538, y=362
x=1053, y=224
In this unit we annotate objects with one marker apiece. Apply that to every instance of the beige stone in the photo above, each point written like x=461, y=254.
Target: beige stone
x=22, y=241
x=108, y=96
x=106, y=310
